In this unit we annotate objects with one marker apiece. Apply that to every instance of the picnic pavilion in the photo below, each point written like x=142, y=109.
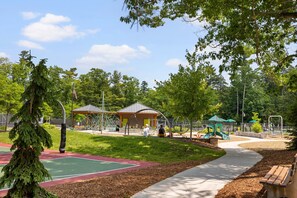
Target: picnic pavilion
x=138, y=115
x=91, y=112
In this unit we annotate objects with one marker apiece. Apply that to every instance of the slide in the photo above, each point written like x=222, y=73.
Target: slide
x=224, y=135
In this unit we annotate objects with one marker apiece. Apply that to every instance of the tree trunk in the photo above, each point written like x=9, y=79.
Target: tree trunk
x=6, y=121
x=191, y=128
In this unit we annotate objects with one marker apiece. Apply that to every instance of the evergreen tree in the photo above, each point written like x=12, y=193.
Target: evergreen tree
x=24, y=172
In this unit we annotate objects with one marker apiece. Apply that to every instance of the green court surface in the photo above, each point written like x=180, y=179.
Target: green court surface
x=4, y=150
x=74, y=166
x=68, y=167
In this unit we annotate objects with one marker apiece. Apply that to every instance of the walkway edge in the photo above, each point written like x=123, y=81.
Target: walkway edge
x=207, y=179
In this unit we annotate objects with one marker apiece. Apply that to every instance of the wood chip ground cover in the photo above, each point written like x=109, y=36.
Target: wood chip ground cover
x=126, y=184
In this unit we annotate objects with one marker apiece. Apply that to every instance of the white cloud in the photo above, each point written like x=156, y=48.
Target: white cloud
x=54, y=19
x=3, y=55
x=108, y=55
x=174, y=62
x=92, y=31
x=143, y=50
x=48, y=29
x=29, y=15
x=29, y=44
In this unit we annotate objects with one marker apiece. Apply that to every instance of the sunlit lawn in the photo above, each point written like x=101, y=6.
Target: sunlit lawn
x=163, y=150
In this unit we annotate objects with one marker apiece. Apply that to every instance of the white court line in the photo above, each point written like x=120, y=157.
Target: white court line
x=57, y=178
x=48, y=160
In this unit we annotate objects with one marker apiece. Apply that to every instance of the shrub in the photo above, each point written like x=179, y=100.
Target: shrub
x=176, y=129
x=257, y=128
x=205, y=130
x=292, y=144
x=48, y=126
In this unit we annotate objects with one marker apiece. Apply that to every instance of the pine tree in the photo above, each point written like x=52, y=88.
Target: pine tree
x=25, y=171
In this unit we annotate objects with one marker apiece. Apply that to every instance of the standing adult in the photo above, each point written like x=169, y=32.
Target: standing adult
x=161, y=131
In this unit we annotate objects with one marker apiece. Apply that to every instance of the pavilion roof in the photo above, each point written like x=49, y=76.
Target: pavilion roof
x=138, y=107
x=89, y=109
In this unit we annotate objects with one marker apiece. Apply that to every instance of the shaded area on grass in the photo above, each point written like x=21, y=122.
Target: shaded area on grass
x=161, y=150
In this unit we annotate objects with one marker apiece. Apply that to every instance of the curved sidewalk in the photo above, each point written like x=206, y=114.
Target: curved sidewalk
x=207, y=179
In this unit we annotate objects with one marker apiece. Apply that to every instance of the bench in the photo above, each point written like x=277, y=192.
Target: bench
x=281, y=181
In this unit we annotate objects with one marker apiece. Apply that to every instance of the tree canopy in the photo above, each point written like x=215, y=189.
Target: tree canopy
x=188, y=92
x=259, y=30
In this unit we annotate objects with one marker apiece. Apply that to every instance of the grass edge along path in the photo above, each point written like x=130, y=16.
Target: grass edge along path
x=160, y=150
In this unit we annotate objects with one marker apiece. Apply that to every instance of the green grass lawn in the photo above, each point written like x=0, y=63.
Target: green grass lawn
x=162, y=150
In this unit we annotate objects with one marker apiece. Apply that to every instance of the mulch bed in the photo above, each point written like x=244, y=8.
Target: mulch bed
x=128, y=183
x=124, y=184
x=248, y=184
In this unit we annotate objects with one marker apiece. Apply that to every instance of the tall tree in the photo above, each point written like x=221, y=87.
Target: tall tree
x=91, y=86
x=265, y=27
x=64, y=81
x=117, y=98
x=188, y=92
x=10, y=90
x=130, y=89
x=20, y=72
x=10, y=97
x=24, y=172
x=143, y=89
x=292, y=113
x=157, y=99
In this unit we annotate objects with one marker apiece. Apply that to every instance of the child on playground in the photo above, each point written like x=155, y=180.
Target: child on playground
x=146, y=131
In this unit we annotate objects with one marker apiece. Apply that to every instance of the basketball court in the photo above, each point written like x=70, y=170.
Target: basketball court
x=72, y=167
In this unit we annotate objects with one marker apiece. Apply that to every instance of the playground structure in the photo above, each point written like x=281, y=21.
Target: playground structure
x=275, y=124
x=96, y=123
x=217, y=128
x=215, y=131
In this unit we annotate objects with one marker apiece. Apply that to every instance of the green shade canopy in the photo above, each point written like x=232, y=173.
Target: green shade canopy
x=252, y=121
x=230, y=120
x=216, y=119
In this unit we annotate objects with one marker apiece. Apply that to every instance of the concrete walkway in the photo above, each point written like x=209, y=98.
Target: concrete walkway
x=207, y=179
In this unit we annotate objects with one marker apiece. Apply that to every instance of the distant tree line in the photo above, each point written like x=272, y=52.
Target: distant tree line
x=195, y=92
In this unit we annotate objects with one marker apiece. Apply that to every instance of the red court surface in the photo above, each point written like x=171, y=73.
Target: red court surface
x=49, y=155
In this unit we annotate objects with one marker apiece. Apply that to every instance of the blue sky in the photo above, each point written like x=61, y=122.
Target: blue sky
x=89, y=34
